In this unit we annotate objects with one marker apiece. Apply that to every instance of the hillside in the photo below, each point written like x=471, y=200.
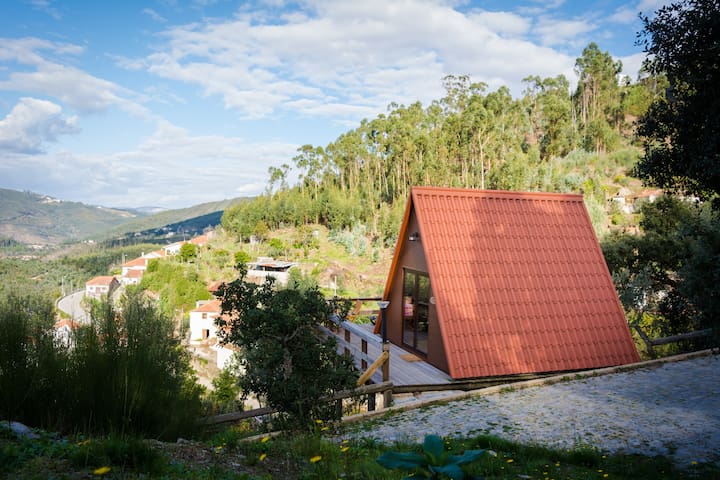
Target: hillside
x=32, y=218
x=191, y=220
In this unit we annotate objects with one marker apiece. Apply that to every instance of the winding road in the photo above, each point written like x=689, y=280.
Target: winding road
x=72, y=305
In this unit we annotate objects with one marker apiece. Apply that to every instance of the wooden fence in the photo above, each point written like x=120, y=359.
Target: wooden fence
x=344, y=332
x=652, y=343
x=369, y=390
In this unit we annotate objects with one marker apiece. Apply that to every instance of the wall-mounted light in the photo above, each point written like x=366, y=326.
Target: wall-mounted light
x=414, y=237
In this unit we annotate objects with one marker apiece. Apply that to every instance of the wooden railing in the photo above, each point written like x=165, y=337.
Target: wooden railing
x=369, y=390
x=344, y=331
x=651, y=343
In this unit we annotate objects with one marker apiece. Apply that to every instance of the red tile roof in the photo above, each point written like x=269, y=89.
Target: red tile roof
x=213, y=306
x=105, y=280
x=134, y=273
x=66, y=323
x=520, y=282
x=200, y=240
x=215, y=286
x=137, y=262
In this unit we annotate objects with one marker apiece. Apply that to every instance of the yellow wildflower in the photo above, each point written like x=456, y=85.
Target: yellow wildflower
x=693, y=462
x=344, y=449
x=315, y=459
x=323, y=429
x=265, y=439
x=262, y=457
x=510, y=460
x=318, y=421
x=101, y=471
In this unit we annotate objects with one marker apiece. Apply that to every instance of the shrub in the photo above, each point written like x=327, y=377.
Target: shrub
x=284, y=359
x=123, y=373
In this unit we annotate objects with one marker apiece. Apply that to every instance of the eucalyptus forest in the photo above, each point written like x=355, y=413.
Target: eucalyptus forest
x=549, y=139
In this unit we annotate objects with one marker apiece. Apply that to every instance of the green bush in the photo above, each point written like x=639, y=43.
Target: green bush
x=284, y=359
x=124, y=373
x=33, y=367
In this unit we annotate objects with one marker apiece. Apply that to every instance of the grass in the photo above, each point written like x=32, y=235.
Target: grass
x=308, y=456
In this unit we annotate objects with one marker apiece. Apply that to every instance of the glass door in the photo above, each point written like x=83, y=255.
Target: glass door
x=416, y=308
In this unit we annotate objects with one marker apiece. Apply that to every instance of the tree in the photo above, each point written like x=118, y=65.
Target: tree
x=668, y=278
x=241, y=258
x=284, y=359
x=598, y=98
x=188, y=251
x=681, y=131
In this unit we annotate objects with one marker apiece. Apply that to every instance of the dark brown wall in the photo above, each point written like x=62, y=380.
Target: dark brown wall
x=412, y=256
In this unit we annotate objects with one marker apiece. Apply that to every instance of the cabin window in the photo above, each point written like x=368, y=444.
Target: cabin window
x=416, y=308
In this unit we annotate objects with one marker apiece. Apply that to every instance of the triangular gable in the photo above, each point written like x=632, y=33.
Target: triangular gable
x=519, y=282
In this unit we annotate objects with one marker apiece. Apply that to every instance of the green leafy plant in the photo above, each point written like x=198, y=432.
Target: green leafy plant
x=434, y=462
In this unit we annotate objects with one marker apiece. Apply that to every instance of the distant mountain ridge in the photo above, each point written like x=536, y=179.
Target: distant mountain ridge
x=33, y=218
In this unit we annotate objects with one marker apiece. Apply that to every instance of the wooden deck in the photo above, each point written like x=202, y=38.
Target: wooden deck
x=405, y=368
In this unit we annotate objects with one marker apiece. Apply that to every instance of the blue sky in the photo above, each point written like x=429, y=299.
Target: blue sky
x=173, y=103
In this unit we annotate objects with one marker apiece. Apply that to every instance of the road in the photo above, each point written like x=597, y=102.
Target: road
x=71, y=305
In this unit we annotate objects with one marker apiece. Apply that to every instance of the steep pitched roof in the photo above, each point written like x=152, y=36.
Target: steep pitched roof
x=519, y=280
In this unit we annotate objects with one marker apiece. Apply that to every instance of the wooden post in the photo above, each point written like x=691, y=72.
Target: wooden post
x=347, y=339
x=387, y=394
x=363, y=362
x=371, y=402
x=648, y=342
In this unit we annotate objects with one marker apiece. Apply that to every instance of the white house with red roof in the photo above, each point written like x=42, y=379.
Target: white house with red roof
x=63, y=331
x=173, y=248
x=101, y=286
x=132, y=277
x=202, y=319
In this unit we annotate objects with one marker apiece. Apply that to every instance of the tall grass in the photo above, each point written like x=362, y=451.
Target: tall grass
x=124, y=373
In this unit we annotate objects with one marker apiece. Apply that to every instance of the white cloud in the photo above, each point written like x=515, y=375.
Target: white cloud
x=629, y=14
x=502, y=23
x=553, y=32
x=46, y=6
x=72, y=86
x=631, y=65
x=624, y=15
x=310, y=60
x=171, y=168
x=31, y=123
x=154, y=15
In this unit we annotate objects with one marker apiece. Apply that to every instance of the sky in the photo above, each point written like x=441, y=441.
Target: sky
x=172, y=103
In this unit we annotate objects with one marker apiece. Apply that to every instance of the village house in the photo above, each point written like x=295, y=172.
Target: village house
x=102, y=286
x=493, y=283
x=173, y=248
x=265, y=267
x=63, y=332
x=202, y=319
